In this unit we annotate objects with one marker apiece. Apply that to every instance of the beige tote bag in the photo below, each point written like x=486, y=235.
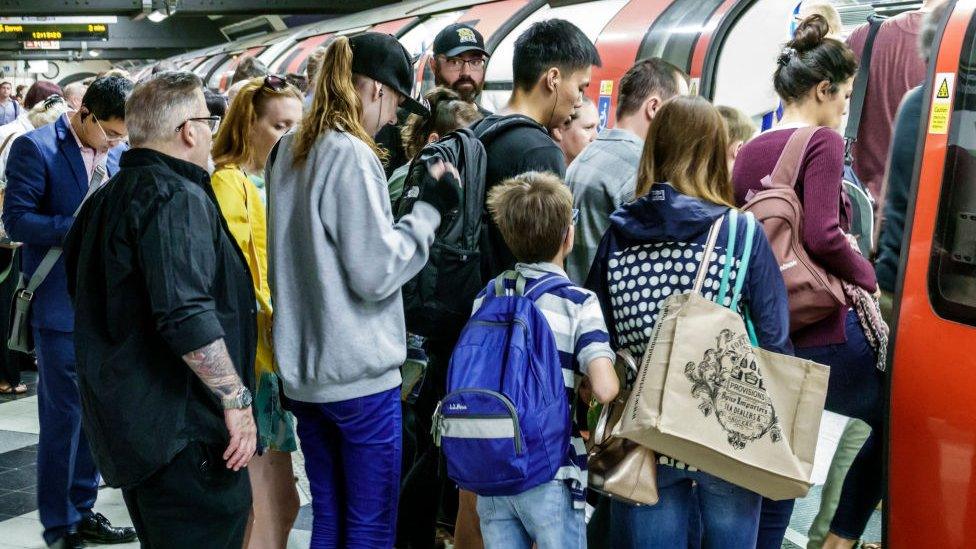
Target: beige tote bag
x=706, y=396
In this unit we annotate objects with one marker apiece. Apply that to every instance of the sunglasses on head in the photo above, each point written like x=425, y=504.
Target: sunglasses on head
x=53, y=100
x=274, y=82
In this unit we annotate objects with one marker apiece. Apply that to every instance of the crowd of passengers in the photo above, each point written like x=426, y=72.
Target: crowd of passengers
x=226, y=272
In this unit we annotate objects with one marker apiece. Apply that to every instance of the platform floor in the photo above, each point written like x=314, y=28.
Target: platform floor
x=20, y=526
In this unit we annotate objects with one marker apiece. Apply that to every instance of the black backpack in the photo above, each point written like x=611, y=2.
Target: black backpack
x=437, y=302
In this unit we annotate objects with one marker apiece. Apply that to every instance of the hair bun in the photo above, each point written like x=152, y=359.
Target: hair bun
x=810, y=33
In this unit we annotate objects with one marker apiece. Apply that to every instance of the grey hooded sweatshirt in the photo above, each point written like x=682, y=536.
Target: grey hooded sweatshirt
x=336, y=264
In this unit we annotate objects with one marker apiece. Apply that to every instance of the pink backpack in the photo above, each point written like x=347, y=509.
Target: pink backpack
x=814, y=293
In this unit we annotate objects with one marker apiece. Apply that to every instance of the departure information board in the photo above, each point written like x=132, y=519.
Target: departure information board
x=81, y=31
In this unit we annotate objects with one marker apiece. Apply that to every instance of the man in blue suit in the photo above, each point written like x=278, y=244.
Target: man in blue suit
x=48, y=175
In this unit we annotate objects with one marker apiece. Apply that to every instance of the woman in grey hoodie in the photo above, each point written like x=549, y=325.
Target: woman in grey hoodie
x=337, y=261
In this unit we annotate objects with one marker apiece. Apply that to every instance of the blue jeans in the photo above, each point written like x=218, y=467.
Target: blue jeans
x=856, y=389
x=544, y=515
x=352, y=457
x=729, y=514
x=67, y=479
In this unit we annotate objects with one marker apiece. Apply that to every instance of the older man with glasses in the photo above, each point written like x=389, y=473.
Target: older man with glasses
x=166, y=328
x=459, y=63
x=49, y=173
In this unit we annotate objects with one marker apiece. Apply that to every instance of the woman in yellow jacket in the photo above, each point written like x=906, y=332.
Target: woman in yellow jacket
x=261, y=112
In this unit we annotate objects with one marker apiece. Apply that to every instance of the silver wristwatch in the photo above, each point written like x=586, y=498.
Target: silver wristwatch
x=242, y=400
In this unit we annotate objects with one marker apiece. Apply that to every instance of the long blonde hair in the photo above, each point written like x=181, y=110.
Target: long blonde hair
x=232, y=144
x=335, y=104
x=687, y=146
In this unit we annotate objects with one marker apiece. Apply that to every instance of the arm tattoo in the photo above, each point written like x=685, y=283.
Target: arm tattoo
x=212, y=364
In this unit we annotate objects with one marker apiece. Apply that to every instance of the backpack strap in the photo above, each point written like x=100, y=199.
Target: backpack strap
x=723, y=288
x=707, y=254
x=486, y=133
x=545, y=285
x=860, y=87
x=497, y=286
x=787, y=169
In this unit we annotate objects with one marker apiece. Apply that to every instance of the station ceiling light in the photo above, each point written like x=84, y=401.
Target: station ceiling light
x=157, y=16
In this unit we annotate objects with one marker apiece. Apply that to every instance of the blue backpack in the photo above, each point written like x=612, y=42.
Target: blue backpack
x=504, y=425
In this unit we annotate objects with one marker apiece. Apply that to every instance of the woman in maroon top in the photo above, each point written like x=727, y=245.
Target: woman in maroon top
x=814, y=80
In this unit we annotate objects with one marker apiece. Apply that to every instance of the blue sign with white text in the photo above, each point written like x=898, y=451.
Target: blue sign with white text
x=603, y=107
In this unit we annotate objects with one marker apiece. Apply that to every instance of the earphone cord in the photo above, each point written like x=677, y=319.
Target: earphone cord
x=379, y=115
x=554, y=102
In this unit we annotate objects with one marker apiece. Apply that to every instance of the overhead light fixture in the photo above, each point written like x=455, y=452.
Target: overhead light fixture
x=157, y=16
x=94, y=53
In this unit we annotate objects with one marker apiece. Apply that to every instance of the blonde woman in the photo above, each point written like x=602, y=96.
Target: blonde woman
x=263, y=110
x=338, y=261
x=652, y=249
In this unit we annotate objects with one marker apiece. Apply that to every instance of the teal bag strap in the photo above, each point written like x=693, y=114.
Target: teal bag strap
x=740, y=277
x=723, y=289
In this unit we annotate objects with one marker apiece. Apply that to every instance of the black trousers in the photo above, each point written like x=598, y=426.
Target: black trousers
x=194, y=501
x=426, y=493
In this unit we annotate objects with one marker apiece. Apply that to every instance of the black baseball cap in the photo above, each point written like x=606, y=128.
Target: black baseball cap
x=458, y=38
x=382, y=58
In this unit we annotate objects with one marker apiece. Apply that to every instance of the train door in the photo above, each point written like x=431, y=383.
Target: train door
x=932, y=437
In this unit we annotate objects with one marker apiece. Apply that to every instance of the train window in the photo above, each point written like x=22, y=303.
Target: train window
x=952, y=278
x=674, y=34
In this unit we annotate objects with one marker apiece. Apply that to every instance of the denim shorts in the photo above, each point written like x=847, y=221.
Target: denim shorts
x=544, y=515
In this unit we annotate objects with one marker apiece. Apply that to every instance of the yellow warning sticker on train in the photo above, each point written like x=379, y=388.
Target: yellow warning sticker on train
x=945, y=83
x=606, y=87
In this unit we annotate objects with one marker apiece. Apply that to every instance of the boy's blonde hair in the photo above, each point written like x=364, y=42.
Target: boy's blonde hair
x=533, y=211
x=741, y=127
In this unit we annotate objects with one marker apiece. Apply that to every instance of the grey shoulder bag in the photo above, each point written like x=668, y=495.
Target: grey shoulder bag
x=19, y=337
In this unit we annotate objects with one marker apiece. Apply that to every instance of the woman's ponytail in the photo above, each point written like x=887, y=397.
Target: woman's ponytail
x=335, y=104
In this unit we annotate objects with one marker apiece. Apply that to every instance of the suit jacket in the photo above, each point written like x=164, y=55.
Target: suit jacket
x=46, y=182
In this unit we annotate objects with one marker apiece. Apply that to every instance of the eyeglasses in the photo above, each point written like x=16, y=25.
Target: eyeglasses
x=212, y=121
x=575, y=215
x=274, y=83
x=53, y=100
x=455, y=64
x=110, y=140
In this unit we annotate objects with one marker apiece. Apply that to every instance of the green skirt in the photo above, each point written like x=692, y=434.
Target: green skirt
x=276, y=426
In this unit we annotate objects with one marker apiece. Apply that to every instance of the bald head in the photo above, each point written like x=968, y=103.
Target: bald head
x=73, y=93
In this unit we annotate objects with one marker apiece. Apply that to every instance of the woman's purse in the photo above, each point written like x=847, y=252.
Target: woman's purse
x=620, y=468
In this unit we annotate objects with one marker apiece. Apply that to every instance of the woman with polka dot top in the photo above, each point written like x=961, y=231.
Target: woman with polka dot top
x=653, y=249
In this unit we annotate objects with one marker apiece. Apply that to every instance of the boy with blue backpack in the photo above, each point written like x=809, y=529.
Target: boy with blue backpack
x=506, y=426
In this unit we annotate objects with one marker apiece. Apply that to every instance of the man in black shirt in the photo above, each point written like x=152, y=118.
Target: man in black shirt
x=551, y=67
x=165, y=332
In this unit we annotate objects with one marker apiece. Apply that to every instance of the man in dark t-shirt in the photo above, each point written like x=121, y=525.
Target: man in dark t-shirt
x=551, y=67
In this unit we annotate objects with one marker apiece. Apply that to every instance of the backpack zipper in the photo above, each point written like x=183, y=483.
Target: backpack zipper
x=512, y=413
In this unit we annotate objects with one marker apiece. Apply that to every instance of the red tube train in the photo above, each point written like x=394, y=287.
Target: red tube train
x=729, y=48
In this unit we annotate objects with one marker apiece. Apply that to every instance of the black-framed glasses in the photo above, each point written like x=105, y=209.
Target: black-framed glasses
x=52, y=100
x=274, y=82
x=212, y=121
x=575, y=215
x=455, y=64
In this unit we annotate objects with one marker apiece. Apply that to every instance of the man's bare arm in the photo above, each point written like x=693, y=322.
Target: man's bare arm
x=212, y=364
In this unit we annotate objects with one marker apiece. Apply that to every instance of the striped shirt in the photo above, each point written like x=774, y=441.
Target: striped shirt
x=577, y=324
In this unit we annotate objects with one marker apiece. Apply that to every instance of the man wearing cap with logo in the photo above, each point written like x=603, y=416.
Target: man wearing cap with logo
x=336, y=262
x=459, y=63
